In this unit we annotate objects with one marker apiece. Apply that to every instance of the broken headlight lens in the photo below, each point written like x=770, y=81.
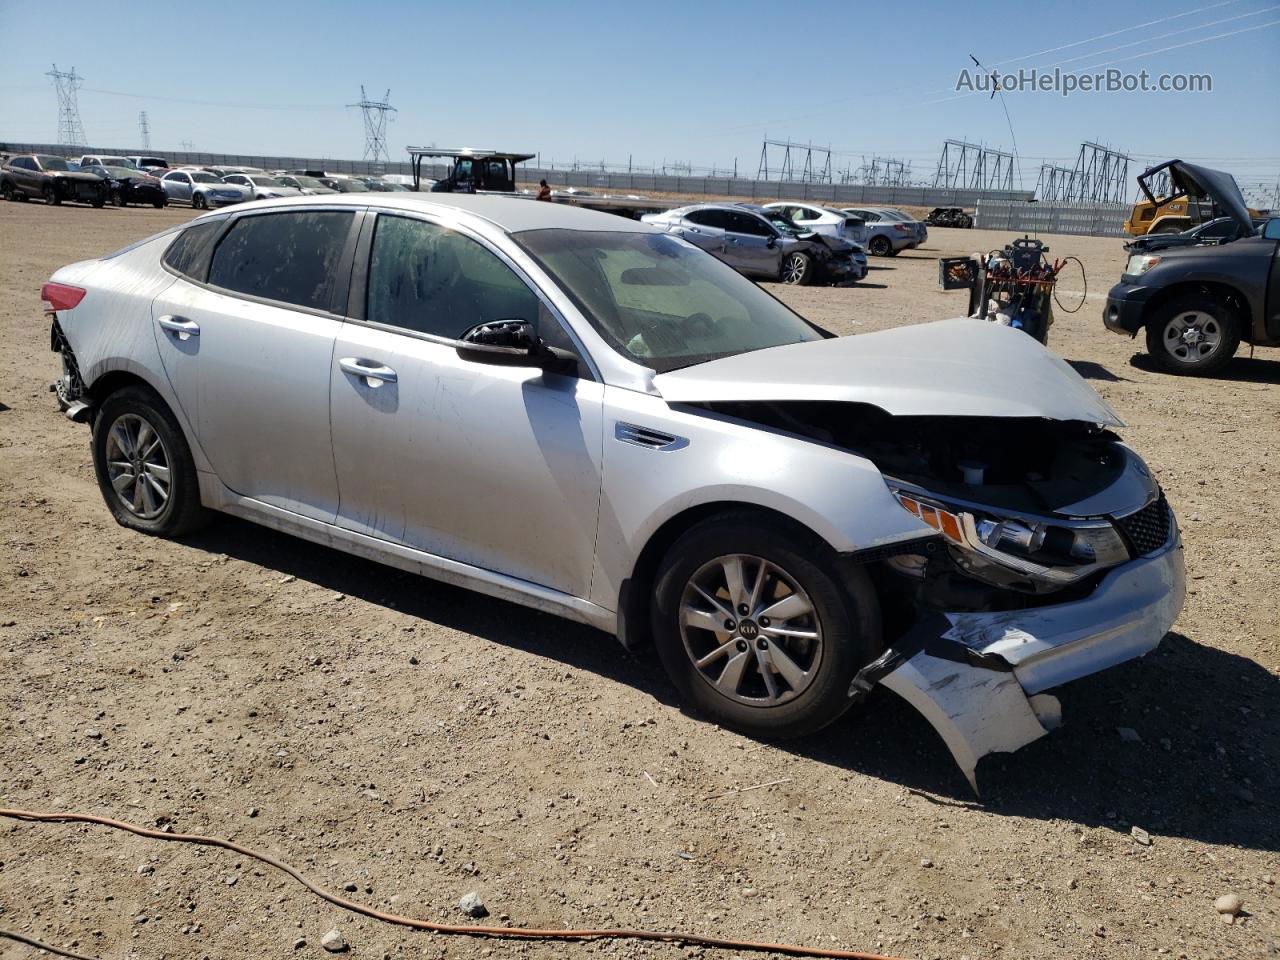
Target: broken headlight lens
x=1056, y=551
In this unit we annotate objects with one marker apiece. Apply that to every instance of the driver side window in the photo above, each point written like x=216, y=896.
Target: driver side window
x=428, y=279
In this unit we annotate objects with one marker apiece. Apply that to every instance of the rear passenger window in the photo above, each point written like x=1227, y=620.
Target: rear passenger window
x=423, y=277
x=189, y=254
x=290, y=257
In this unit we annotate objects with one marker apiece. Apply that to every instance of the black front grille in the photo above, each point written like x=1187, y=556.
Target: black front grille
x=1147, y=529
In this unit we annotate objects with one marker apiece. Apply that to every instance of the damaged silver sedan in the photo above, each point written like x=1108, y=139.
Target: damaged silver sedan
x=581, y=414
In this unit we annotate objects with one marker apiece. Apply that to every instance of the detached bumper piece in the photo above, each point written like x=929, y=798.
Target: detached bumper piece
x=979, y=678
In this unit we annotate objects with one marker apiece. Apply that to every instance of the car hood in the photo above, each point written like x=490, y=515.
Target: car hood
x=962, y=368
x=74, y=175
x=1202, y=183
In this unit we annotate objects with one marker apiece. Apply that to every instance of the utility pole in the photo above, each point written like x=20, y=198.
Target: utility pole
x=144, y=129
x=70, y=129
x=375, y=125
x=187, y=146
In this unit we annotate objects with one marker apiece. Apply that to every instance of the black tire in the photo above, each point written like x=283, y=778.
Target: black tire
x=117, y=198
x=1167, y=229
x=182, y=511
x=1209, y=318
x=845, y=607
x=880, y=247
x=98, y=202
x=199, y=202
x=6, y=191
x=50, y=193
x=797, y=269
x=159, y=204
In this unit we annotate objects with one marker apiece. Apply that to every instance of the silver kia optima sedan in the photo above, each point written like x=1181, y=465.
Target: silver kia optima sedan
x=576, y=412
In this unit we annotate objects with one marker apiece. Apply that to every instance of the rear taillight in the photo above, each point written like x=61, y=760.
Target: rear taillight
x=902, y=228
x=60, y=296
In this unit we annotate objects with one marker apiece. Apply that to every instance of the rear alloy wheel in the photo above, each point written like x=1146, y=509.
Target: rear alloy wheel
x=758, y=628
x=6, y=191
x=117, y=197
x=144, y=466
x=880, y=247
x=51, y=195
x=1193, y=335
x=797, y=269
x=199, y=202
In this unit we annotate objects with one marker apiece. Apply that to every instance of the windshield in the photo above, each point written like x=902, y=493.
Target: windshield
x=151, y=162
x=120, y=173
x=205, y=178
x=266, y=182
x=311, y=183
x=661, y=301
x=53, y=163
x=350, y=186
x=785, y=226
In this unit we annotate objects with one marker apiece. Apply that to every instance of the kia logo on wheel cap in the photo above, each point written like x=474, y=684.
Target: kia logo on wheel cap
x=748, y=629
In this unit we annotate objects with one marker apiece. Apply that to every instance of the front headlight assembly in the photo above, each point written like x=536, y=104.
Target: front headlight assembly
x=1048, y=554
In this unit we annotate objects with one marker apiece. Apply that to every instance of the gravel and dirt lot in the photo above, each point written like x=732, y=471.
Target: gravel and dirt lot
x=413, y=742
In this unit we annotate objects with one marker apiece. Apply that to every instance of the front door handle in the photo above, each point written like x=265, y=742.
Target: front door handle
x=374, y=373
x=184, y=328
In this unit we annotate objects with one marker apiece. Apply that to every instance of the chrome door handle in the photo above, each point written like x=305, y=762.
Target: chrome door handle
x=184, y=328
x=373, y=373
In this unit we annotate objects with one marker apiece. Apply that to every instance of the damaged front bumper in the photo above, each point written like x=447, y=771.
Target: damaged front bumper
x=979, y=678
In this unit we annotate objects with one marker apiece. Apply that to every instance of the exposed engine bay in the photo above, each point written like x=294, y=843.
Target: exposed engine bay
x=1027, y=464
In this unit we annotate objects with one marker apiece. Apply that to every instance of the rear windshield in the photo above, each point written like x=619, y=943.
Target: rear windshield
x=661, y=301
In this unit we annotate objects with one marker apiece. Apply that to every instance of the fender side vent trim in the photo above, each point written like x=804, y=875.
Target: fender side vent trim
x=647, y=438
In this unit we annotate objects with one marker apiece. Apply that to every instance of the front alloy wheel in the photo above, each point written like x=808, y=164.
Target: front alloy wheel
x=796, y=269
x=199, y=202
x=760, y=625
x=750, y=630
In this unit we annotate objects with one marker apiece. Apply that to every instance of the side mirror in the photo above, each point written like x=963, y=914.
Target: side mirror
x=512, y=343
x=772, y=242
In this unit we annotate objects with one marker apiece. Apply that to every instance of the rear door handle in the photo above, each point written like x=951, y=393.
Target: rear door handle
x=373, y=373
x=184, y=328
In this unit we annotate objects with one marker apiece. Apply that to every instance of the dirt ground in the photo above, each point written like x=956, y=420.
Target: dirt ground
x=419, y=742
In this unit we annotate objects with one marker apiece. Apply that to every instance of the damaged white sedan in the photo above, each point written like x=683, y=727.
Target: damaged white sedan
x=578, y=413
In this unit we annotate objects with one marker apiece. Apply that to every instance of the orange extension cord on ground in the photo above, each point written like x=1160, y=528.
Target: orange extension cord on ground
x=505, y=933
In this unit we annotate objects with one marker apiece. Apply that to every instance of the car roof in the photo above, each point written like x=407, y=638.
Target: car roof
x=513, y=214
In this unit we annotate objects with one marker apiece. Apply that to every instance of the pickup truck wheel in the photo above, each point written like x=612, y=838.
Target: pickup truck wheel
x=797, y=269
x=51, y=195
x=1193, y=335
x=758, y=628
x=144, y=466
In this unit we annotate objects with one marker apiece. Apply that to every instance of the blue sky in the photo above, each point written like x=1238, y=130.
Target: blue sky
x=695, y=82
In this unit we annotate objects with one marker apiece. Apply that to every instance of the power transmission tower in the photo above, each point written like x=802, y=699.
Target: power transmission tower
x=815, y=166
x=144, y=128
x=1054, y=183
x=1101, y=175
x=375, y=125
x=970, y=166
x=70, y=129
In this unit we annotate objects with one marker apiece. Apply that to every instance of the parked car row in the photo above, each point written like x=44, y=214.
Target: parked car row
x=98, y=179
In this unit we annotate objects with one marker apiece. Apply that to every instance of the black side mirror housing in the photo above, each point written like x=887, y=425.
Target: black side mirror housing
x=772, y=242
x=513, y=343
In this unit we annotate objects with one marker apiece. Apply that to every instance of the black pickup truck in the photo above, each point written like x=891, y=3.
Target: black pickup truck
x=1198, y=303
